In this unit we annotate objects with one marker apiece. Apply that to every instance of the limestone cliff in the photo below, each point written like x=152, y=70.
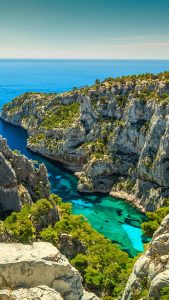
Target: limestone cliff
x=20, y=181
x=114, y=134
x=150, y=276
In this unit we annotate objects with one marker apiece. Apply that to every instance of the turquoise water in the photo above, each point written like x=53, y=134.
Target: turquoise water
x=114, y=218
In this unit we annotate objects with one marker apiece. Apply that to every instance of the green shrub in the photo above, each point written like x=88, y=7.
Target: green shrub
x=49, y=235
x=154, y=220
x=104, y=267
x=164, y=293
x=97, y=81
x=63, y=117
x=17, y=152
x=18, y=227
x=40, y=209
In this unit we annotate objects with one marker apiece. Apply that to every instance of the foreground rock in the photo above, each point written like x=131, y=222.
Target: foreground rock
x=38, y=271
x=151, y=271
x=38, y=293
x=20, y=181
x=114, y=134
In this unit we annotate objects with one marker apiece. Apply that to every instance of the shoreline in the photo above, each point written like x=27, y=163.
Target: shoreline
x=123, y=195
x=130, y=198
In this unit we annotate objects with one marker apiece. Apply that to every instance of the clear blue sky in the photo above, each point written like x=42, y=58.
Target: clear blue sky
x=116, y=29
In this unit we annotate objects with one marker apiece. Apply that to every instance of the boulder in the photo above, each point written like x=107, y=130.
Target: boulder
x=31, y=266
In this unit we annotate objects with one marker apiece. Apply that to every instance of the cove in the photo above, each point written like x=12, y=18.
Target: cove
x=114, y=218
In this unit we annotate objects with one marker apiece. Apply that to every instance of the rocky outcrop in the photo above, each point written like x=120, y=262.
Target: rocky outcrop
x=38, y=271
x=20, y=181
x=70, y=246
x=114, y=134
x=38, y=293
x=151, y=271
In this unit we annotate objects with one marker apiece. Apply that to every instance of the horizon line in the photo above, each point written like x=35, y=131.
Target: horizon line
x=54, y=58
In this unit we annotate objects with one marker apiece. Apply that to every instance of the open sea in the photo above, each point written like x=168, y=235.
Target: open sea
x=114, y=218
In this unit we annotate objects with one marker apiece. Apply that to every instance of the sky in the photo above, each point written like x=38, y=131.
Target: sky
x=89, y=29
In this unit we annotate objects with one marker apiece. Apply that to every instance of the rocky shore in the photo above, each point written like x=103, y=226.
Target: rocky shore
x=114, y=134
x=129, y=198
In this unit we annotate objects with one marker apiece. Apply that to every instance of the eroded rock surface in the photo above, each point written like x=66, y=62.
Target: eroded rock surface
x=20, y=181
x=38, y=293
x=151, y=271
x=30, y=266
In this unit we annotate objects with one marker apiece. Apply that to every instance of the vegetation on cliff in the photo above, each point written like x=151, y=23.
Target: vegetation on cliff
x=114, y=133
x=154, y=220
x=104, y=267
x=62, y=117
x=120, y=126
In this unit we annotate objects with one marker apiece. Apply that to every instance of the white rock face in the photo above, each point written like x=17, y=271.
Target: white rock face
x=89, y=296
x=31, y=266
x=37, y=293
x=151, y=271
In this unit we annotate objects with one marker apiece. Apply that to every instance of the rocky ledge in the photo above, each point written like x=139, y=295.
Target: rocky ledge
x=20, y=181
x=38, y=271
x=150, y=276
x=115, y=134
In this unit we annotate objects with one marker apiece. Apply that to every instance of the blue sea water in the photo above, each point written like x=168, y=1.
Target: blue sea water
x=114, y=218
x=19, y=76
